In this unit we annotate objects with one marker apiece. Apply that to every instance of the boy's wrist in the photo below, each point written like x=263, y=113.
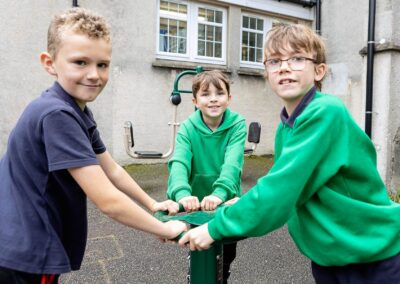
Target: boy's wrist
x=182, y=194
x=221, y=194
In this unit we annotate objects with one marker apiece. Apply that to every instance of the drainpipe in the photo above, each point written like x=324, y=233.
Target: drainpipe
x=370, y=67
x=310, y=4
x=318, y=17
x=75, y=3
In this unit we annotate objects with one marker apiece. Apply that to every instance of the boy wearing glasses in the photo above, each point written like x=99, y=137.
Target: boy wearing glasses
x=324, y=183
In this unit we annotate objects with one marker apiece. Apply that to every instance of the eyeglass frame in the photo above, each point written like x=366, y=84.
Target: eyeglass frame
x=288, y=63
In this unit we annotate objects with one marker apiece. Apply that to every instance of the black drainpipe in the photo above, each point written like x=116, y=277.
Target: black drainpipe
x=370, y=67
x=311, y=4
x=75, y=3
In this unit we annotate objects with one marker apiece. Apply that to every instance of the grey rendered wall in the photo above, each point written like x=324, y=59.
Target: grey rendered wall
x=137, y=91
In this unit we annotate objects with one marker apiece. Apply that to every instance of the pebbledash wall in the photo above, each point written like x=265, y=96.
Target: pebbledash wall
x=155, y=40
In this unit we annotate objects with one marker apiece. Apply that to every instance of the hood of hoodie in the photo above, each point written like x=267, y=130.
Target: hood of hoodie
x=230, y=119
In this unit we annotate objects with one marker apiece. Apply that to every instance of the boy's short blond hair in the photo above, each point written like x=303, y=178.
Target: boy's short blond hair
x=204, y=79
x=78, y=20
x=297, y=38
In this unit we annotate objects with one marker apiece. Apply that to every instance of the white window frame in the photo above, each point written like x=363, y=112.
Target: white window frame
x=192, y=34
x=266, y=27
x=268, y=24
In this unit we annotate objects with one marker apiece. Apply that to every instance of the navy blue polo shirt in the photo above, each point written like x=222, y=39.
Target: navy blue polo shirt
x=43, y=215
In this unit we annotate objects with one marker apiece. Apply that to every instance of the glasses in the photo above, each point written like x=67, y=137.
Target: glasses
x=296, y=63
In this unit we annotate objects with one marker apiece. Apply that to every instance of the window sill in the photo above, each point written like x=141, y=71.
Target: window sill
x=183, y=65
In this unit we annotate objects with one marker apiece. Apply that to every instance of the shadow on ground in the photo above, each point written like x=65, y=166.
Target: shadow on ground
x=118, y=254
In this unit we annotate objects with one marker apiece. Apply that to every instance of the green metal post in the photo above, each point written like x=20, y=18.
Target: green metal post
x=206, y=266
x=175, y=96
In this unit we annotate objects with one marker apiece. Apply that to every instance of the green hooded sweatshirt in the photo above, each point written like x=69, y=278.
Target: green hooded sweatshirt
x=325, y=185
x=206, y=162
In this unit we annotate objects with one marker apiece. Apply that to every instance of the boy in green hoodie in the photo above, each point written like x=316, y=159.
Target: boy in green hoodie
x=324, y=183
x=206, y=168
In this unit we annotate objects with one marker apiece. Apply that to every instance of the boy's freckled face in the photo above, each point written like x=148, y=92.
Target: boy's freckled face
x=82, y=66
x=212, y=102
x=292, y=85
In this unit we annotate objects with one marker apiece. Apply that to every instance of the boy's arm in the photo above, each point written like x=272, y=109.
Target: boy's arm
x=227, y=185
x=117, y=205
x=180, y=168
x=123, y=181
x=292, y=180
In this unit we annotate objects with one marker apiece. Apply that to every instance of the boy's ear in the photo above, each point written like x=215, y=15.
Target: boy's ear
x=320, y=71
x=47, y=63
x=194, y=101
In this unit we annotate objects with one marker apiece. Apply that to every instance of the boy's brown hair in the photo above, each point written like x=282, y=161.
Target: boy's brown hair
x=78, y=20
x=297, y=38
x=204, y=79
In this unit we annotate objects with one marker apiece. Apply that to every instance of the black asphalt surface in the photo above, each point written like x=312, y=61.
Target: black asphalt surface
x=118, y=254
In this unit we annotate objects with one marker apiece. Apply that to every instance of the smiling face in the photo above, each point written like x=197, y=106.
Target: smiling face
x=81, y=66
x=212, y=102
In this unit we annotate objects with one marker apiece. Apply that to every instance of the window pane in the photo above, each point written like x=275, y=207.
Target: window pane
x=218, y=34
x=260, y=24
x=210, y=32
x=182, y=29
x=218, y=17
x=173, y=27
x=259, y=41
x=259, y=55
x=163, y=5
x=245, y=22
x=252, y=40
x=252, y=54
x=182, y=9
x=210, y=15
x=201, y=48
x=209, y=49
x=202, y=14
x=173, y=7
x=163, y=43
x=252, y=23
x=182, y=45
x=218, y=50
x=245, y=54
x=163, y=26
x=173, y=47
x=245, y=38
x=202, y=31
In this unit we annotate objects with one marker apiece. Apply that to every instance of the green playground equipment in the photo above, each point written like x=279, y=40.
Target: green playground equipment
x=175, y=98
x=206, y=267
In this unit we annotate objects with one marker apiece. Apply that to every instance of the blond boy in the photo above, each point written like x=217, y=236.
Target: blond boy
x=324, y=183
x=55, y=158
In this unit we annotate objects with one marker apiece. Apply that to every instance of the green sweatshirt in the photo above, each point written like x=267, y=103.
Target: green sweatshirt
x=325, y=185
x=206, y=162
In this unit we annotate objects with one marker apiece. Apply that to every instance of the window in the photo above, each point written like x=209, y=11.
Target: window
x=191, y=31
x=253, y=31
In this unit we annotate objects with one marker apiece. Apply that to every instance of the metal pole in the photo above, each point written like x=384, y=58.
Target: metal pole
x=318, y=17
x=370, y=67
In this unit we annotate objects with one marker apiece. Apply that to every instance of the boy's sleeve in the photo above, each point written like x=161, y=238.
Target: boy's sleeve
x=228, y=183
x=180, y=168
x=292, y=180
x=66, y=143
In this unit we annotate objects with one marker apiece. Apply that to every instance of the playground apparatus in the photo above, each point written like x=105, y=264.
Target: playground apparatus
x=175, y=98
x=205, y=267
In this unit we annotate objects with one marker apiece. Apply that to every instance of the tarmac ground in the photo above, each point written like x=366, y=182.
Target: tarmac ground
x=118, y=254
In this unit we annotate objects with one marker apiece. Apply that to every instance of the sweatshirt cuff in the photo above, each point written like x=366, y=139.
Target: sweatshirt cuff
x=181, y=194
x=213, y=231
x=221, y=194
